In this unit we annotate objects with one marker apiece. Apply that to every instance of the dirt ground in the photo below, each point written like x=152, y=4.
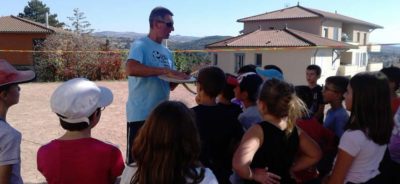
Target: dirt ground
x=38, y=125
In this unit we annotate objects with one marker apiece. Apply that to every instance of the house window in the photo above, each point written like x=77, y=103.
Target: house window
x=258, y=61
x=361, y=59
x=215, y=61
x=336, y=34
x=358, y=37
x=365, y=38
x=325, y=32
x=239, y=61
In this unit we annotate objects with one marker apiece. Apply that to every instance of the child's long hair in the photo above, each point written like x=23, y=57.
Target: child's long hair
x=281, y=101
x=167, y=147
x=371, y=110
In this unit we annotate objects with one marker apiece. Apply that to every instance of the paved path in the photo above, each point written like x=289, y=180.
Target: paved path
x=38, y=125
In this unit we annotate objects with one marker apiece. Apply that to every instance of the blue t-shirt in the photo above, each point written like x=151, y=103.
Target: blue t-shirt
x=145, y=93
x=336, y=120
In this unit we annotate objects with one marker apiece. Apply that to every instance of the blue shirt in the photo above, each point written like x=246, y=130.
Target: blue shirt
x=336, y=120
x=145, y=93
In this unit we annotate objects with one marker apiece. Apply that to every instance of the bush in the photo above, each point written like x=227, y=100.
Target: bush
x=67, y=56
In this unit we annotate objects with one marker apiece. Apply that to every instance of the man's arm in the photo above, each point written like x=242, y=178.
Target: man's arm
x=134, y=68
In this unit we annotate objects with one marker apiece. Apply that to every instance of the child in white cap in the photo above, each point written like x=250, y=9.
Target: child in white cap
x=10, y=138
x=76, y=157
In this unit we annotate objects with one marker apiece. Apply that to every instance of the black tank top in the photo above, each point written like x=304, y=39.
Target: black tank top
x=277, y=152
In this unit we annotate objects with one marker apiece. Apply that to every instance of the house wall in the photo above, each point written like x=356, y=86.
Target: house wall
x=12, y=41
x=352, y=29
x=331, y=25
x=310, y=25
x=293, y=69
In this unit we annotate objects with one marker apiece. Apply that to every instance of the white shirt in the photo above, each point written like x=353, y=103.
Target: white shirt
x=367, y=156
x=209, y=177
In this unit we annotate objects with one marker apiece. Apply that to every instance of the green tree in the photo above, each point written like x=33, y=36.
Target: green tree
x=79, y=24
x=36, y=11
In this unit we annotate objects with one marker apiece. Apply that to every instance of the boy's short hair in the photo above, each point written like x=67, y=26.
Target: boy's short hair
x=211, y=80
x=250, y=82
x=316, y=68
x=339, y=83
x=76, y=100
x=246, y=69
x=158, y=13
x=393, y=74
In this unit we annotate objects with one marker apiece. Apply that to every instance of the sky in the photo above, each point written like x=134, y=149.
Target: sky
x=211, y=17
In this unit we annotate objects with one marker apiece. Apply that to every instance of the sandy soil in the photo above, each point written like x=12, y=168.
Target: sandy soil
x=38, y=125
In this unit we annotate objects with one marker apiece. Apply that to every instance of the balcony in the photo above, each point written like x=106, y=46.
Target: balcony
x=350, y=70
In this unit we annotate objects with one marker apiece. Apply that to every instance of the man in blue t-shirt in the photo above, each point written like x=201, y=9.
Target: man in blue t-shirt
x=148, y=59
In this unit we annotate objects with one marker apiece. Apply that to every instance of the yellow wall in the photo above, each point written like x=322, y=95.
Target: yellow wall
x=292, y=62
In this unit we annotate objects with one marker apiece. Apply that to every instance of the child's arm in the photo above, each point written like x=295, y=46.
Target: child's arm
x=310, y=153
x=243, y=157
x=342, y=166
x=5, y=173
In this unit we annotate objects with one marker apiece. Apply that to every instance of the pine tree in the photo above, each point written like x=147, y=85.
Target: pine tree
x=36, y=11
x=79, y=24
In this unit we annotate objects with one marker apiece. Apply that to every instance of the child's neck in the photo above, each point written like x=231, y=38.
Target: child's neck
x=281, y=123
x=208, y=101
x=72, y=135
x=312, y=85
x=336, y=104
x=3, y=112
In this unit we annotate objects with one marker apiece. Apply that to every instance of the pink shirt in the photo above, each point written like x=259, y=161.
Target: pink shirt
x=78, y=161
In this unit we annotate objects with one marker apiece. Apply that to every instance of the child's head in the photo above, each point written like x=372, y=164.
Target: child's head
x=393, y=74
x=210, y=81
x=266, y=67
x=368, y=99
x=78, y=103
x=9, y=80
x=335, y=87
x=247, y=69
x=247, y=88
x=231, y=82
x=277, y=98
x=313, y=73
x=168, y=141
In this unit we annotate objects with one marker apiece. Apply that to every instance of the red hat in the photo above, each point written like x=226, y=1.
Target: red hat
x=10, y=75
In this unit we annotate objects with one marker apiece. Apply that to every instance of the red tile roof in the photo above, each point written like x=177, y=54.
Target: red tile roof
x=297, y=12
x=12, y=24
x=278, y=38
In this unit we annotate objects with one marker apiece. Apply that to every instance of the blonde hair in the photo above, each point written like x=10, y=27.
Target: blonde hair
x=281, y=101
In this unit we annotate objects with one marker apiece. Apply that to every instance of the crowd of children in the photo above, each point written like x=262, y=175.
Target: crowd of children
x=251, y=128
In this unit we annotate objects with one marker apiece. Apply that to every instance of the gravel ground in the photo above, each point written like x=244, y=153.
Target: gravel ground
x=38, y=125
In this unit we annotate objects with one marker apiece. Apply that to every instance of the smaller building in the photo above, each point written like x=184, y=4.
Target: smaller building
x=18, y=37
x=290, y=49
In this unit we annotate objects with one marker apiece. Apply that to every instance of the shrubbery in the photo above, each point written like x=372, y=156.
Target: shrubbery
x=68, y=56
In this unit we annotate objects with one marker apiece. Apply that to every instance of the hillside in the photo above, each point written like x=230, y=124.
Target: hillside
x=122, y=40
x=195, y=44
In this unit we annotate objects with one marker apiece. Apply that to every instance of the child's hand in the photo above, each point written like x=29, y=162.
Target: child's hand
x=265, y=177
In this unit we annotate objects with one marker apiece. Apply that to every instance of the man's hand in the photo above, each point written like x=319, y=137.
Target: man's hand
x=176, y=74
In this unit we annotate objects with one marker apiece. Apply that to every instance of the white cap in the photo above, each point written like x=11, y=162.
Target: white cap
x=79, y=98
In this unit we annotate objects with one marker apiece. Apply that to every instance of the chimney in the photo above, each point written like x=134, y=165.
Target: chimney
x=47, y=19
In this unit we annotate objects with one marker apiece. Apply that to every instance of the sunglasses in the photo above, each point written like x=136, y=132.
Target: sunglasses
x=168, y=24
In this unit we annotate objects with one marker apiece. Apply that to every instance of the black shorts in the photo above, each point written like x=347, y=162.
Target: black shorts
x=132, y=129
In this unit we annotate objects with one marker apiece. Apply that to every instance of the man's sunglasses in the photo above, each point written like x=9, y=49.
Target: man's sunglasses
x=168, y=24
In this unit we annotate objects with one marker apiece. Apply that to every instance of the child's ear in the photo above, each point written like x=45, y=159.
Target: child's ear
x=262, y=107
x=3, y=94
